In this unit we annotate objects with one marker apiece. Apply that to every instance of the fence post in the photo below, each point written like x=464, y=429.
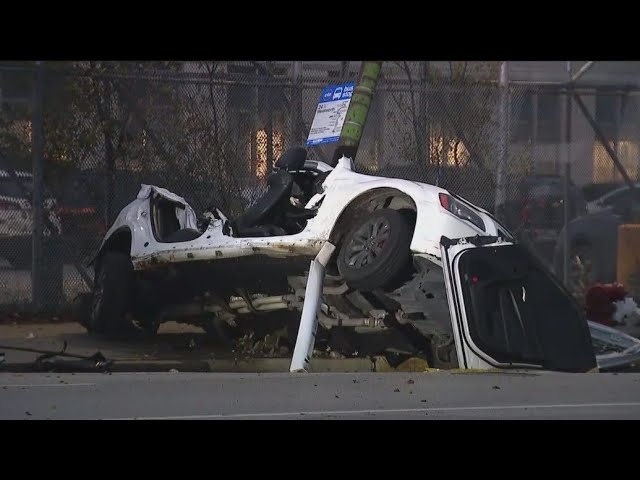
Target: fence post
x=269, y=128
x=109, y=159
x=501, y=172
x=295, y=110
x=422, y=140
x=567, y=175
x=37, y=158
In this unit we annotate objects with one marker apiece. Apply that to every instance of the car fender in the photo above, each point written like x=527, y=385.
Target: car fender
x=350, y=188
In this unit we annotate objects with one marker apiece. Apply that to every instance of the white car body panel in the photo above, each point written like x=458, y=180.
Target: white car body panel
x=469, y=354
x=341, y=187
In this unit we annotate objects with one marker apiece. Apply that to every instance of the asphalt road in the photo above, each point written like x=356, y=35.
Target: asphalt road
x=320, y=396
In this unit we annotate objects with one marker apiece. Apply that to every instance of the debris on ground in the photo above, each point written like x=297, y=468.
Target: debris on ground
x=413, y=364
x=49, y=360
x=174, y=370
x=269, y=346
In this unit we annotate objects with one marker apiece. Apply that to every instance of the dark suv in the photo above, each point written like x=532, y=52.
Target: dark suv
x=537, y=208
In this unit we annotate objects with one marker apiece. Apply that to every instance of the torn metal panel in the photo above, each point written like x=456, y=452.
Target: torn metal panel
x=613, y=348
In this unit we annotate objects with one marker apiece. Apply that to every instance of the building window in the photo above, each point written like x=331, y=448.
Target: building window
x=536, y=117
x=261, y=144
x=242, y=97
x=604, y=171
x=522, y=116
x=617, y=115
x=549, y=117
x=605, y=108
x=450, y=152
x=629, y=123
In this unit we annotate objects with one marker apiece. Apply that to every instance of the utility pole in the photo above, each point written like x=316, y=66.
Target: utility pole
x=567, y=175
x=503, y=148
x=37, y=158
x=358, y=111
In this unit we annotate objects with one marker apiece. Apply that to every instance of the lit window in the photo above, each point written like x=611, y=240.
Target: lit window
x=603, y=168
x=261, y=150
x=451, y=153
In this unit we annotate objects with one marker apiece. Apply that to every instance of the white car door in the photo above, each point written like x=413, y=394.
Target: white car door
x=508, y=311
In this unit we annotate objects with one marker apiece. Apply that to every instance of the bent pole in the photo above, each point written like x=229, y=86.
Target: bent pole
x=358, y=111
x=306, y=339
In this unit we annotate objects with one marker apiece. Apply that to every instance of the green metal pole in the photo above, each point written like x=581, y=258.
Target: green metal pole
x=358, y=110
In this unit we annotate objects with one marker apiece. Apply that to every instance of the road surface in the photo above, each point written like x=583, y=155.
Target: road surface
x=320, y=396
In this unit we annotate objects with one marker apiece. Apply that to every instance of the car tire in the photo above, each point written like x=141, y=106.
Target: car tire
x=375, y=253
x=81, y=309
x=112, y=298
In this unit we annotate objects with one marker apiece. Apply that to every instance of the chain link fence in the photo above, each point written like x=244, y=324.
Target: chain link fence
x=211, y=131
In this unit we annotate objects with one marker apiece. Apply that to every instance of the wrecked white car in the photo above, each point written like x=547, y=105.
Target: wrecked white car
x=399, y=255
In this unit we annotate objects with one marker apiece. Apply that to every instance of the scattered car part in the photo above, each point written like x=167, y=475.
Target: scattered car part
x=44, y=361
x=614, y=349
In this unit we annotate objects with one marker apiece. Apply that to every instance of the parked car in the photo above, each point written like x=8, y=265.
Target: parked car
x=593, y=243
x=617, y=198
x=399, y=255
x=16, y=218
x=537, y=212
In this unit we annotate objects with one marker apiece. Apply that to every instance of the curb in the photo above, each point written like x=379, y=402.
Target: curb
x=278, y=365
x=229, y=365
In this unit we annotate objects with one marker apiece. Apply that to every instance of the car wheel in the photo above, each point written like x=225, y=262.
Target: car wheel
x=375, y=252
x=81, y=309
x=113, y=297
